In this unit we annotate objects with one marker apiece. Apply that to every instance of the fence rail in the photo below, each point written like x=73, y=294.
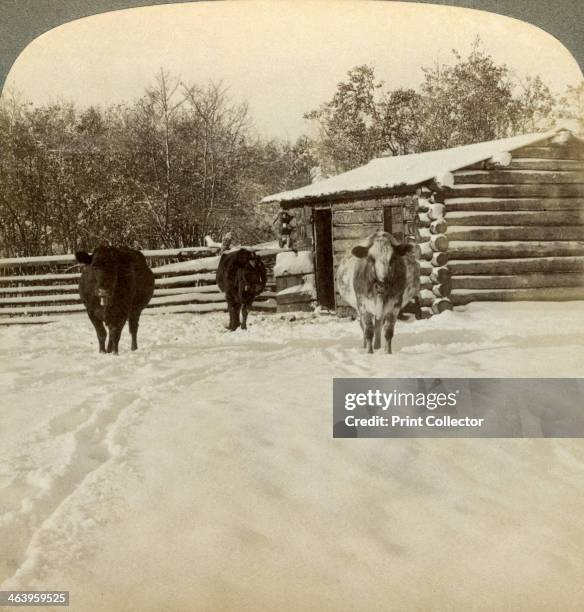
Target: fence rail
x=40, y=289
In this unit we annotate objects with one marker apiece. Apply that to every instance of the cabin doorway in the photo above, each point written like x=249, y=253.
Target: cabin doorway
x=393, y=221
x=323, y=253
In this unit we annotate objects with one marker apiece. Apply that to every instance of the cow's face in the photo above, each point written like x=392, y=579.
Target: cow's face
x=104, y=265
x=379, y=250
x=250, y=273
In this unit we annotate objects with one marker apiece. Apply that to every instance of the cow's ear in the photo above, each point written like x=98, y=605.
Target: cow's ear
x=360, y=251
x=83, y=257
x=403, y=249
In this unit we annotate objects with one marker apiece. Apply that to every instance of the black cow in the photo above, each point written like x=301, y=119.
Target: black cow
x=115, y=286
x=241, y=275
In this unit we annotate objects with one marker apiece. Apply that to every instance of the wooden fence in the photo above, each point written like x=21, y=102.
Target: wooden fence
x=40, y=289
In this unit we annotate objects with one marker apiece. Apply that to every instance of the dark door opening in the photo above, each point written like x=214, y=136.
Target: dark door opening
x=393, y=221
x=323, y=252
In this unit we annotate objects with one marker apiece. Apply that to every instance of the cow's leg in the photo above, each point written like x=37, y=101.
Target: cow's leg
x=236, y=311
x=363, y=332
x=378, y=326
x=244, y=311
x=133, y=326
x=115, y=331
x=100, y=331
x=231, y=310
x=369, y=327
x=390, y=319
x=234, y=308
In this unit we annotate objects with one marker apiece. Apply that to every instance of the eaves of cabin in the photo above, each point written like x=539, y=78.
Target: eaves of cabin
x=404, y=174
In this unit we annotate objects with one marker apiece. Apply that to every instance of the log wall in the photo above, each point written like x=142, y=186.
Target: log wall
x=516, y=232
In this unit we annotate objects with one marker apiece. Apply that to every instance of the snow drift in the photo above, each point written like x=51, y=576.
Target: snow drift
x=199, y=473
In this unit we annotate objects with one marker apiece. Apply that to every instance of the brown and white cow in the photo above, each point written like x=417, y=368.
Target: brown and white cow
x=378, y=278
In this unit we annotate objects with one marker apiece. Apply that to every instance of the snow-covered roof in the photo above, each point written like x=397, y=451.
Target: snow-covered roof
x=409, y=170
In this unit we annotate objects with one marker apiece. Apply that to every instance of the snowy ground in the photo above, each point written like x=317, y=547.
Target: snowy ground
x=199, y=473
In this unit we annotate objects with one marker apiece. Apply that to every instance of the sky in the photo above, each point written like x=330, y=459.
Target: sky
x=284, y=57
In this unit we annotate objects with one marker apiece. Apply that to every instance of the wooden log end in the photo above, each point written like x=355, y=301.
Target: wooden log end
x=436, y=211
x=425, y=267
x=439, y=242
x=441, y=289
x=424, y=251
x=440, y=275
x=424, y=204
x=426, y=312
x=439, y=259
x=424, y=234
x=441, y=305
x=426, y=283
x=439, y=226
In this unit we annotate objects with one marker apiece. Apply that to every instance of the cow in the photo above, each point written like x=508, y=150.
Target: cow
x=115, y=286
x=378, y=278
x=241, y=275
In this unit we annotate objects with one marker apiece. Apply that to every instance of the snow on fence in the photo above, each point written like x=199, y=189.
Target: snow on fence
x=38, y=289
x=295, y=282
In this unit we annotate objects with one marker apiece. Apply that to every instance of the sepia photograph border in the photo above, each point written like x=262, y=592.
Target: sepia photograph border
x=24, y=20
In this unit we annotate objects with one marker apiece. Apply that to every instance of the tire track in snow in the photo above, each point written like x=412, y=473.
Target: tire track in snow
x=90, y=452
x=38, y=494
x=95, y=429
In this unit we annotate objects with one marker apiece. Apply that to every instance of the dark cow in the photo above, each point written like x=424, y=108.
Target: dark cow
x=241, y=275
x=378, y=278
x=115, y=286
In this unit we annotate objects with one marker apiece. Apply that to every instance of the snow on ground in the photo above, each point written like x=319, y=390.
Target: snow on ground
x=199, y=472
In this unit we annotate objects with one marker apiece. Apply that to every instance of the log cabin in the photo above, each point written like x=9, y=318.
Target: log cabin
x=498, y=220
